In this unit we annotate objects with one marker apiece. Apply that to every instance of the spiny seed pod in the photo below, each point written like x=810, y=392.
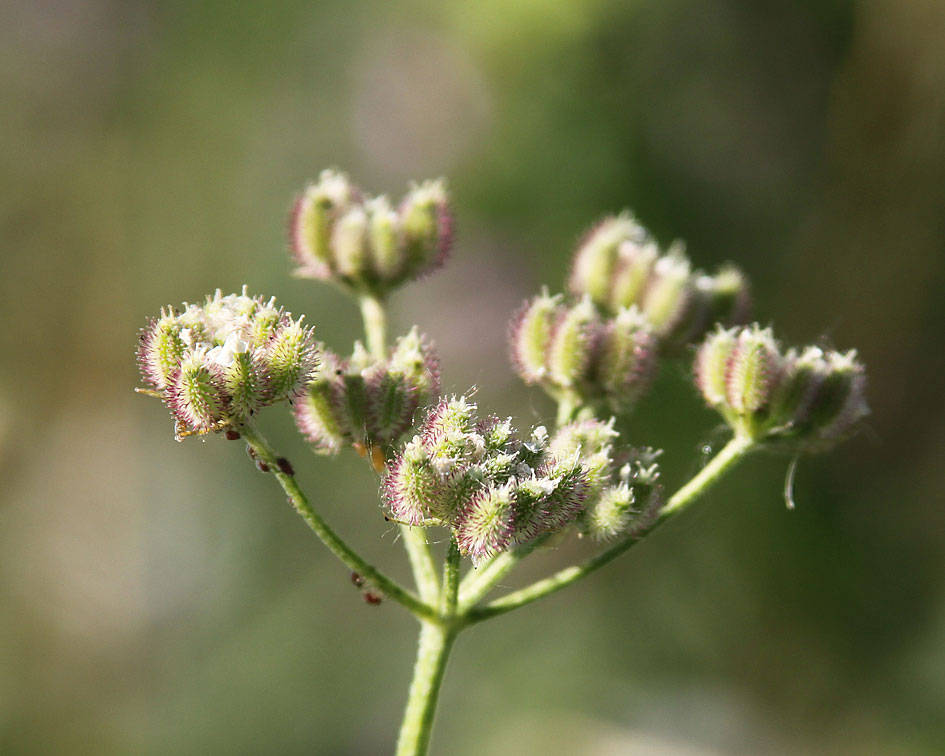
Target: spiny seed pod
x=753, y=370
x=604, y=249
x=486, y=525
x=530, y=334
x=427, y=223
x=711, y=365
x=572, y=346
x=611, y=513
x=320, y=414
x=362, y=243
x=626, y=359
x=290, y=360
x=669, y=292
x=216, y=364
x=160, y=350
x=629, y=499
x=572, y=350
x=412, y=489
x=312, y=223
x=492, y=487
x=366, y=403
x=619, y=265
x=799, y=401
x=196, y=395
x=823, y=394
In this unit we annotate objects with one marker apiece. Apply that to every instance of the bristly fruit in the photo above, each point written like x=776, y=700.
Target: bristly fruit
x=618, y=265
x=366, y=403
x=339, y=234
x=218, y=363
x=800, y=401
x=606, y=362
x=492, y=487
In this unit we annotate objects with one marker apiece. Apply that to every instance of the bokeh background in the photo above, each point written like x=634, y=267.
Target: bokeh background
x=161, y=598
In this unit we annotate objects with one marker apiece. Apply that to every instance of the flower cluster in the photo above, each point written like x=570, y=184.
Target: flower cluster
x=573, y=349
x=339, y=234
x=368, y=403
x=618, y=264
x=807, y=399
x=216, y=364
x=623, y=489
x=492, y=487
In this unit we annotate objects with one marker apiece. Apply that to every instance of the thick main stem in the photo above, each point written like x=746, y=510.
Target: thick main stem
x=436, y=641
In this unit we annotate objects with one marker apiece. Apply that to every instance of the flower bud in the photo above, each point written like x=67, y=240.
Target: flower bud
x=837, y=400
x=589, y=441
x=611, y=513
x=413, y=357
x=572, y=350
x=635, y=262
x=549, y=500
x=630, y=499
x=618, y=265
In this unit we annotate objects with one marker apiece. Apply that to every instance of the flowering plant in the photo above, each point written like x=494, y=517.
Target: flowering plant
x=498, y=492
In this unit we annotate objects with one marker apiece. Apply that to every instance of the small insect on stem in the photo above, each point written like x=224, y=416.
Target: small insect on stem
x=285, y=466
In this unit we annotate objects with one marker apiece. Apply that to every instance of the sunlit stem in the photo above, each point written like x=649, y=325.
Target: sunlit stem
x=332, y=540
x=374, y=313
x=375, y=325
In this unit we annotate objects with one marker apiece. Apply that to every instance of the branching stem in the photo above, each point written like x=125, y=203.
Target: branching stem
x=725, y=460
x=331, y=539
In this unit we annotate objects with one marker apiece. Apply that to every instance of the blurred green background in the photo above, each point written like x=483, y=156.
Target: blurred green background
x=161, y=598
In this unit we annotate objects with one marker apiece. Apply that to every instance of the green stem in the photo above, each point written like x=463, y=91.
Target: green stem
x=568, y=405
x=484, y=578
x=450, y=580
x=421, y=562
x=436, y=641
x=374, y=314
x=375, y=325
x=724, y=461
x=342, y=550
